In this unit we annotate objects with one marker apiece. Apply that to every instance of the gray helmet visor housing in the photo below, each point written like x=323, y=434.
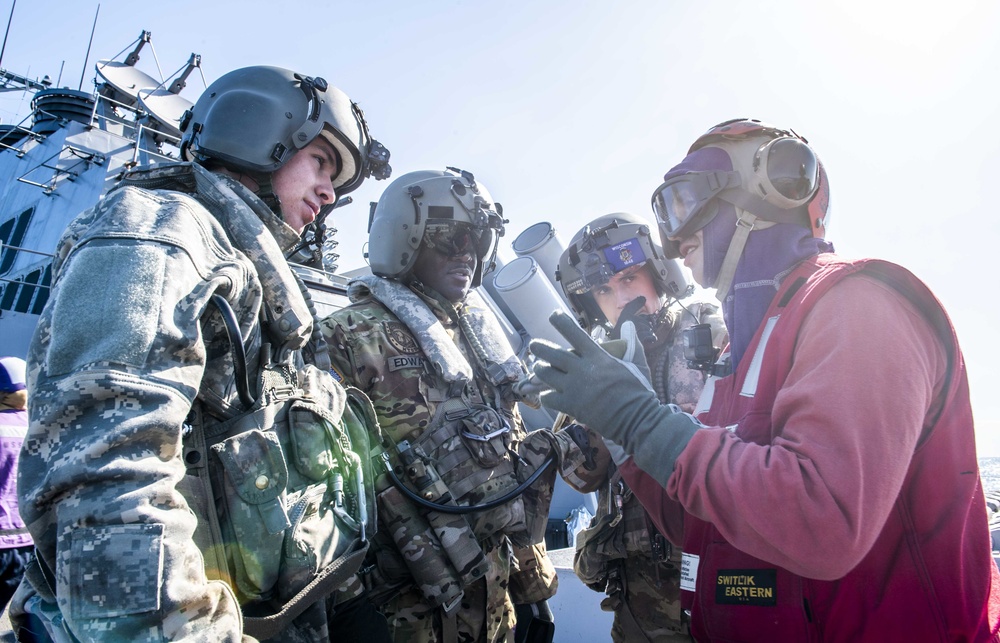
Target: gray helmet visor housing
x=432, y=200
x=254, y=119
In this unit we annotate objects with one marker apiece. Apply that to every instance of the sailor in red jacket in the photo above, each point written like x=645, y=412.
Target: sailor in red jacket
x=830, y=490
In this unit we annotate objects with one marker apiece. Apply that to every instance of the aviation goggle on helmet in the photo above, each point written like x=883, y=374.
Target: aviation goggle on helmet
x=776, y=178
x=448, y=211
x=605, y=247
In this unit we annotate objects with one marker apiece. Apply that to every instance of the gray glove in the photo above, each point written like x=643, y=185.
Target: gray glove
x=611, y=397
x=618, y=455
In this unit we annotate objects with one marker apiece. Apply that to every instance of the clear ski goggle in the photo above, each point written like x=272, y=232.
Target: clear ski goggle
x=680, y=200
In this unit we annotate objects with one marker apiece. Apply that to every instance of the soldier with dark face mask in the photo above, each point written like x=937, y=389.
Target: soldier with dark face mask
x=186, y=475
x=464, y=500
x=615, y=271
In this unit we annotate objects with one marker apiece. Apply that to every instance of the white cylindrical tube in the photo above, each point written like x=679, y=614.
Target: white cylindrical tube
x=540, y=242
x=531, y=297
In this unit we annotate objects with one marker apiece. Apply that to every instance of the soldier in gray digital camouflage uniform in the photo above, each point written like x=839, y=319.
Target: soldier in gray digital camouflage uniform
x=186, y=476
x=443, y=378
x=614, y=271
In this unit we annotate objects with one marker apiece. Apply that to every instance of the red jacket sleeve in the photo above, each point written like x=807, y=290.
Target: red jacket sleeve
x=867, y=372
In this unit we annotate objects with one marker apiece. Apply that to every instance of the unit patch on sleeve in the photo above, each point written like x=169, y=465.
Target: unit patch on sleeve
x=747, y=587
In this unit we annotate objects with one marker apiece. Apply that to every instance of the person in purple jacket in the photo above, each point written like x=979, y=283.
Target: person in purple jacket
x=16, y=548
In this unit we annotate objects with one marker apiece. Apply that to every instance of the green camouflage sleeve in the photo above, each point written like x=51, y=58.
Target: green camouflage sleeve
x=535, y=579
x=372, y=350
x=115, y=363
x=685, y=384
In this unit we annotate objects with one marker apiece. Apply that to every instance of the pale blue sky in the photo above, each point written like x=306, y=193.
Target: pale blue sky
x=570, y=110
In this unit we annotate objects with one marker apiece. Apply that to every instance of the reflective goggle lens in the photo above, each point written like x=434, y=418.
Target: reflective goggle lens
x=451, y=238
x=791, y=168
x=674, y=204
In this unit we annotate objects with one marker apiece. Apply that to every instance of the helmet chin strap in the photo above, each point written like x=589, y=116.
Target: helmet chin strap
x=745, y=223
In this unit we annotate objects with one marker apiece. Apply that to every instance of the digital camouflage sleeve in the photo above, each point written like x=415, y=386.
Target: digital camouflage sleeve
x=116, y=362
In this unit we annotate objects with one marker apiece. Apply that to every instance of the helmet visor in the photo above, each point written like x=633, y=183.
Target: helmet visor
x=452, y=238
x=679, y=203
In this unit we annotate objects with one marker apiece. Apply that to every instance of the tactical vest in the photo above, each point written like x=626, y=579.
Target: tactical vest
x=621, y=529
x=280, y=494
x=278, y=491
x=463, y=457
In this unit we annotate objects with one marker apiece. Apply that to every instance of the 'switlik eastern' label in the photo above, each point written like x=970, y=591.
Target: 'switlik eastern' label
x=746, y=587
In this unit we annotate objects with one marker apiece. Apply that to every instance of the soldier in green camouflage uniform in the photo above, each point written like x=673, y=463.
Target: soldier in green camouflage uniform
x=185, y=475
x=442, y=377
x=614, y=271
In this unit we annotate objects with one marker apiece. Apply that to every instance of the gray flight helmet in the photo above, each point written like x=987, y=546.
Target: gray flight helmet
x=398, y=220
x=254, y=119
x=606, y=246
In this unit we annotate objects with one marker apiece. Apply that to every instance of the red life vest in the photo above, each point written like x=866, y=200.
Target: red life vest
x=928, y=576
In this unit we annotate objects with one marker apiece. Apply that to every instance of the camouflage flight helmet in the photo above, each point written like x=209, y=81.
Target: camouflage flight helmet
x=606, y=246
x=428, y=208
x=254, y=119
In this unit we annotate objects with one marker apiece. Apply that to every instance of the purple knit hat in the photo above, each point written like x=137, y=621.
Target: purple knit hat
x=11, y=374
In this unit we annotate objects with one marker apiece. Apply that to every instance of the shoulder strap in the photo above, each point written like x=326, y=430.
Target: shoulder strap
x=325, y=583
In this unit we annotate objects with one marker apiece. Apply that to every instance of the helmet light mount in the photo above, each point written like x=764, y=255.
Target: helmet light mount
x=605, y=247
x=415, y=201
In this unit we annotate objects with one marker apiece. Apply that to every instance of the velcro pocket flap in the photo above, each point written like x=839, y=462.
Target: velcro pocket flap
x=313, y=457
x=256, y=468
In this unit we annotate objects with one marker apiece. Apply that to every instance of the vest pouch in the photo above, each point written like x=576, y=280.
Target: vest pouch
x=253, y=484
x=420, y=548
x=459, y=544
x=600, y=543
x=317, y=537
x=485, y=434
x=311, y=454
x=506, y=519
x=323, y=433
x=386, y=572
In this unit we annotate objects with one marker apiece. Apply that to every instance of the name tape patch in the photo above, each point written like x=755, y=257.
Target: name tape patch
x=398, y=362
x=747, y=587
